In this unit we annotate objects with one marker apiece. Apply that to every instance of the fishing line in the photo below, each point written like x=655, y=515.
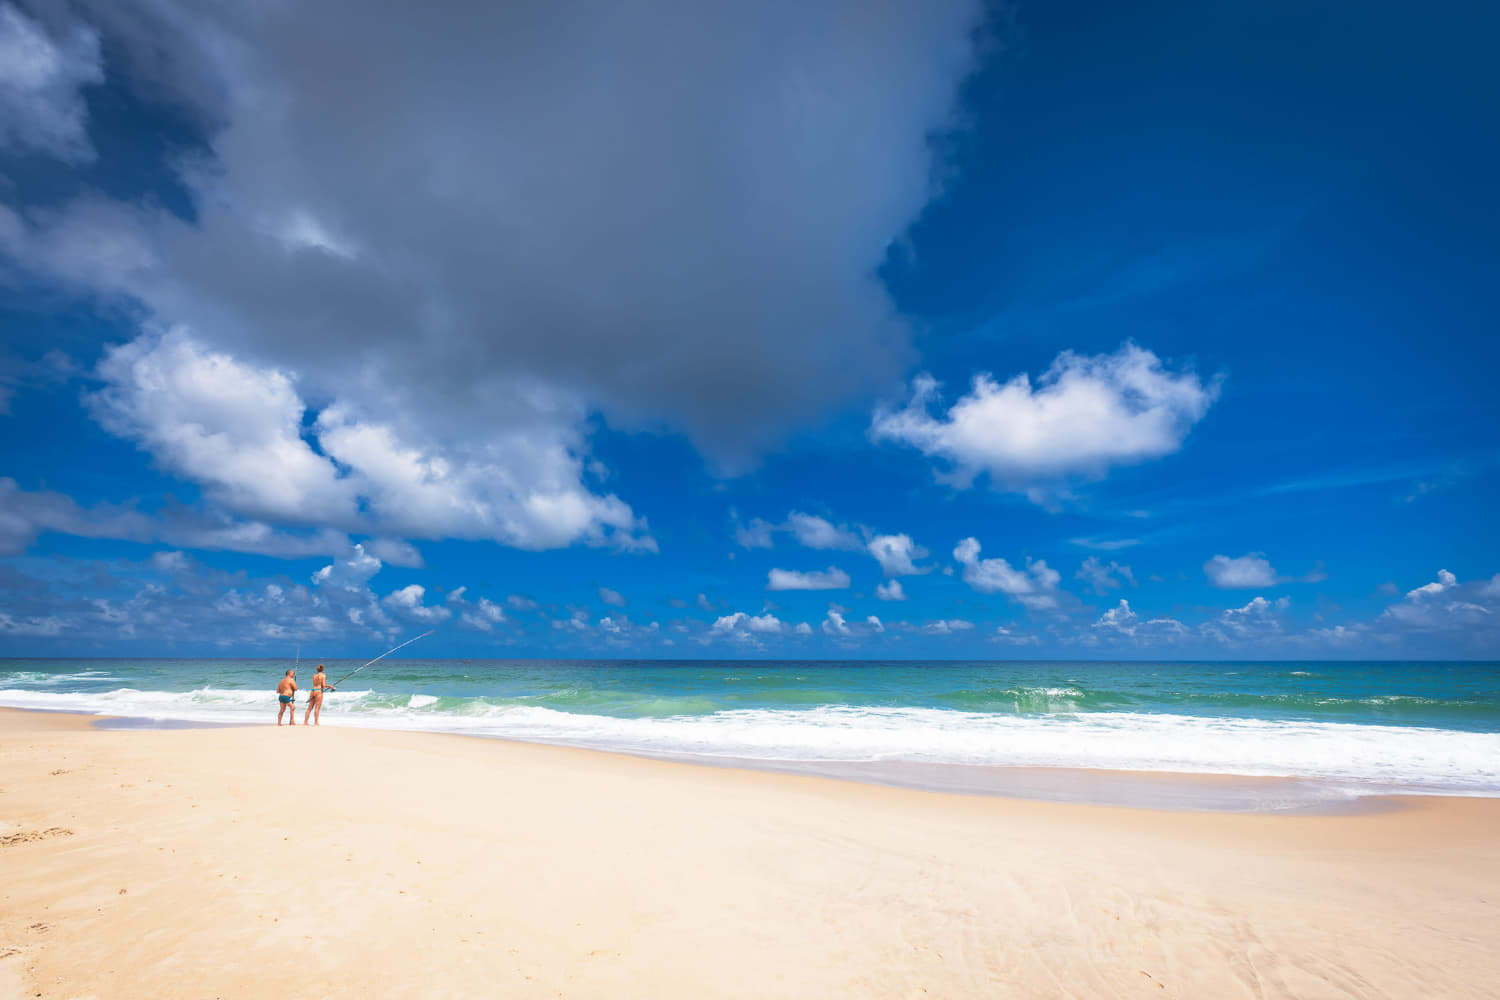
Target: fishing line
x=382, y=656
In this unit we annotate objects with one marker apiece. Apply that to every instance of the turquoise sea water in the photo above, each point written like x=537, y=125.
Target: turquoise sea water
x=1356, y=727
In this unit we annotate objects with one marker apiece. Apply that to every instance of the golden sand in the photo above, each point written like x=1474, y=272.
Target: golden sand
x=266, y=862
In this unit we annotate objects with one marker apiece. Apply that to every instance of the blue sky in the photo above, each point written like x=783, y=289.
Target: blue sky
x=1060, y=329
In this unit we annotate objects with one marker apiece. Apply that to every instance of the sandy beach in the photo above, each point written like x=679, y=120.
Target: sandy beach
x=258, y=862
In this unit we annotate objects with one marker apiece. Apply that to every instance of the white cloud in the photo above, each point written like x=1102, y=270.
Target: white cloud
x=483, y=617
x=1446, y=604
x=890, y=591
x=755, y=535
x=1103, y=578
x=41, y=82
x=875, y=623
x=1122, y=622
x=834, y=624
x=1259, y=618
x=233, y=428
x=577, y=621
x=407, y=602
x=896, y=553
x=170, y=562
x=611, y=597
x=1445, y=581
x=1119, y=619
x=1035, y=586
x=832, y=578
x=620, y=631
x=351, y=573
x=1010, y=638
x=803, y=629
x=1083, y=416
x=744, y=627
x=1245, y=571
x=947, y=626
x=395, y=552
x=238, y=431
x=818, y=533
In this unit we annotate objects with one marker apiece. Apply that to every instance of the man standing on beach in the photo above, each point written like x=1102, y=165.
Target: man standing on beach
x=285, y=691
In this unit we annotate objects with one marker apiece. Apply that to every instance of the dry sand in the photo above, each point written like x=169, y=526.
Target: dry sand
x=265, y=862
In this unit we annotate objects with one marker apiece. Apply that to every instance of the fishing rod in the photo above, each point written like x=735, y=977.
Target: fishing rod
x=382, y=656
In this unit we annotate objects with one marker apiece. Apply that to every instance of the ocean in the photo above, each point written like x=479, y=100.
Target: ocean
x=1343, y=729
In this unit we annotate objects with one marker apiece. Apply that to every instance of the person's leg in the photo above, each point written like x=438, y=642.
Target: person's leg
x=318, y=712
x=310, y=699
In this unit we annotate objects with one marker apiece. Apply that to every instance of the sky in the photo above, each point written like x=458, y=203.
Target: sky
x=1061, y=329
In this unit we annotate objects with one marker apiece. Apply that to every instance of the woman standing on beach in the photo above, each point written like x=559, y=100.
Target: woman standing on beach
x=315, y=696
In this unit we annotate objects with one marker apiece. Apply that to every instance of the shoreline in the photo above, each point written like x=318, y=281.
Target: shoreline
x=1174, y=791
x=399, y=864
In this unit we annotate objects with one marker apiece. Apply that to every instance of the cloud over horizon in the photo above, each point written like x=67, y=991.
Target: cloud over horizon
x=1080, y=418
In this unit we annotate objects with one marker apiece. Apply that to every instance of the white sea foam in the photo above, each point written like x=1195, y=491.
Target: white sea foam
x=1391, y=757
x=56, y=680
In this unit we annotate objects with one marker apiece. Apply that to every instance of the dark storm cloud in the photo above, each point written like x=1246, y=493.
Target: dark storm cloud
x=671, y=210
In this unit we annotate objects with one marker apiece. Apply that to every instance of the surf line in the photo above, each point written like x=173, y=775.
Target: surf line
x=382, y=656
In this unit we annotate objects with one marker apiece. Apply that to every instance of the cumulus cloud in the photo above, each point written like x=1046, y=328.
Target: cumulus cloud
x=479, y=616
x=350, y=573
x=1035, y=586
x=1103, y=578
x=1083, y=416
x=1121, y=621
x=890, y=591
x=755, y=535
x=1447, y=604
x=611, y=597
x=1245, y=571
x=1258, y=619
x=234, y=429
x=946, y=626
x=238, y=431
x=407, y=603
x=655, y=236
x=832, y=578
x=746, y=627
x=896, y=553
x=1445, y=581
x=42, y=76
x=1253, y=570
x=619, y=631
x=835, y=625
x=816, y=532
